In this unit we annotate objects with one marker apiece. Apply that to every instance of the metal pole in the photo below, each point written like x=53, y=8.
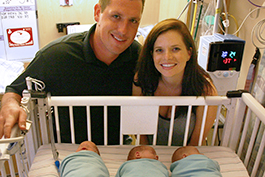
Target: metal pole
x=217, y=16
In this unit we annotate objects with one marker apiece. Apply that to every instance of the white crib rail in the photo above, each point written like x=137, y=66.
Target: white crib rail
x=140, y=109
x=253, y=110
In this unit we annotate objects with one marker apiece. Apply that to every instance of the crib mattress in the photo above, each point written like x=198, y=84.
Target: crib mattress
x=114, y=156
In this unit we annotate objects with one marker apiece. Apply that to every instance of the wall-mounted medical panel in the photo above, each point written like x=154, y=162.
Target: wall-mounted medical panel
x=18, y=32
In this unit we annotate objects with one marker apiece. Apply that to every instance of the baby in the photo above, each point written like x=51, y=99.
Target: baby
x=140, y=152
x=86, y=161
x=187, y=161
x=142, y=161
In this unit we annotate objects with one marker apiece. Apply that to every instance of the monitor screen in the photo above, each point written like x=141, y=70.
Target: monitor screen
x=225, y=56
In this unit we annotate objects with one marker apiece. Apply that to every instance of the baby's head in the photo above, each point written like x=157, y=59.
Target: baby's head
x=139, y=152
x=88, y=146
x=183, y=152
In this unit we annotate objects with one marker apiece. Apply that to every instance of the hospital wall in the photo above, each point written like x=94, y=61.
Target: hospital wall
x=240, y=9
x=50, y=12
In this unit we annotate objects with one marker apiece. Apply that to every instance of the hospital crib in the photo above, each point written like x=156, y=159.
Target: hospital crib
x=234, y=142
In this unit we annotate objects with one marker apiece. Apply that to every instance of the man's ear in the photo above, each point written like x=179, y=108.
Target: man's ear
x=156, y=157
x=97, y=11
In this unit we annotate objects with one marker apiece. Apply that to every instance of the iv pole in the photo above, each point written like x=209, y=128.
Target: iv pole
x=217, y=16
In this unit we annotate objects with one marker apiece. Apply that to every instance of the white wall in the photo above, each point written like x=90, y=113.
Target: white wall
x=50, y=12
x=240, y=9
x=172, y=9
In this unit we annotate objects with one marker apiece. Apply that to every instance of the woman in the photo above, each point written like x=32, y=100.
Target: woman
x=168, y=66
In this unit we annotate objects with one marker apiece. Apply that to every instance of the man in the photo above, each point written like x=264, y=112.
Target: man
x=100, y=61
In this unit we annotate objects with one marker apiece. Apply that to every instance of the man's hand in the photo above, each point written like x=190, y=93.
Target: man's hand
x=11, y=113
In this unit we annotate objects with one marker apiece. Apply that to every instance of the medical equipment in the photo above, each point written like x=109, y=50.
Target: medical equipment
x=221, y=56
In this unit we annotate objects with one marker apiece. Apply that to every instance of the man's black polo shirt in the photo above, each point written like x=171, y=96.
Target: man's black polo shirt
x=69, y=67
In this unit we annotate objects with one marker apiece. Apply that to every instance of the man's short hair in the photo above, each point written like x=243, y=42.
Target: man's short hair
x=105, y=3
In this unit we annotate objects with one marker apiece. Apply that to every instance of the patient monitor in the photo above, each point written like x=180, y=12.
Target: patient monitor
x=221, y=56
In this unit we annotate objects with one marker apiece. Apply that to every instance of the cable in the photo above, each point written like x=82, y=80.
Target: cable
x=252, y=71
x=194, y=18
x=226, y=21
x=245, y=19
x=257, y=31
x=229, y=15
x=198, y=21
x=39, y=85
x=184, y=9
x=255, y=4
x=221, y=28
x=221, y=25
x=55, y=153
x=237, y=26
x=22, y=160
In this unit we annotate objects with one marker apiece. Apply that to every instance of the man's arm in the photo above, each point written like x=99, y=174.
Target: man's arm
x=11, y=113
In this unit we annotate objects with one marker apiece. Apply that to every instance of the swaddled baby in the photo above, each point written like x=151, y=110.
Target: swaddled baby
x=142, y=161
x=187, y=161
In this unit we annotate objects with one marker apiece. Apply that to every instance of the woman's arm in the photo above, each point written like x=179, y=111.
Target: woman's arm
x=211, y=115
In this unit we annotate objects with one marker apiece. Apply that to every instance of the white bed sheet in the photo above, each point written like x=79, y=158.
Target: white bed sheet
x=114, y=156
